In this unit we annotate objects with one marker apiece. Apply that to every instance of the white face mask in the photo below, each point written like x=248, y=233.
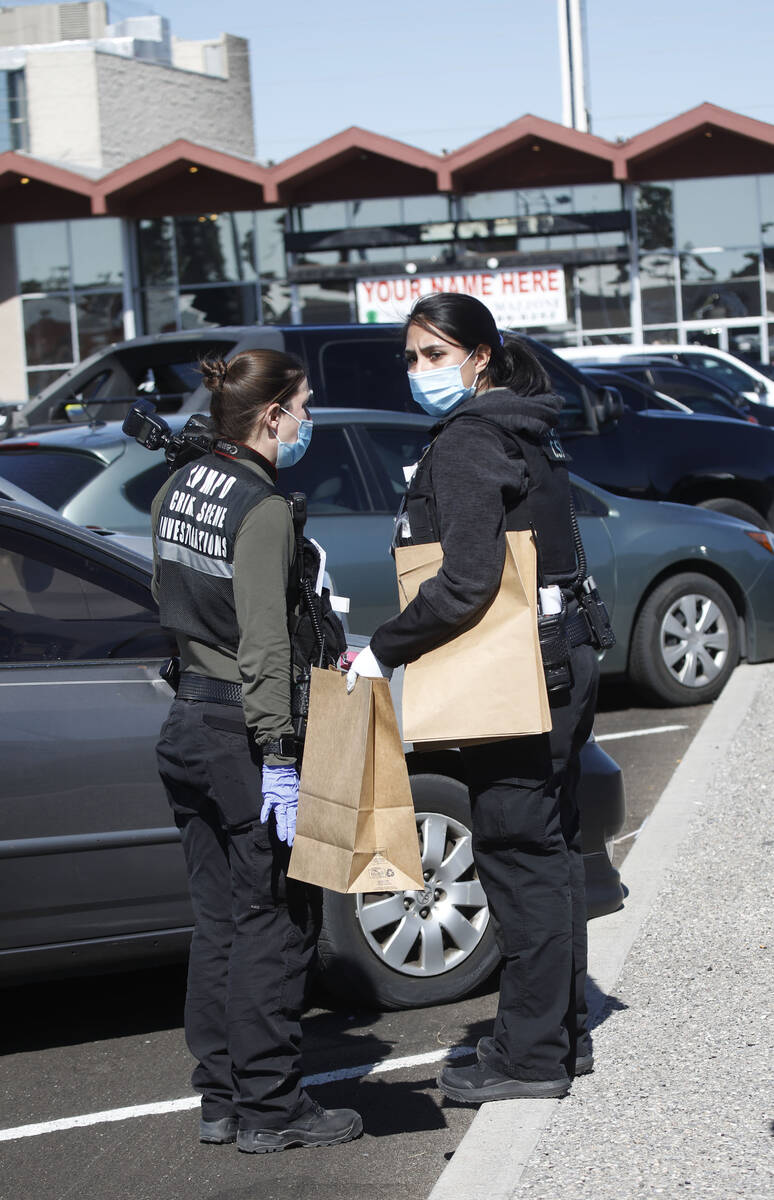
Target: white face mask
x=438, y=391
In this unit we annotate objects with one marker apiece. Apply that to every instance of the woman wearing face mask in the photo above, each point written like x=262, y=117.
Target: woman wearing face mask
x=493, y=465
x=224, y=547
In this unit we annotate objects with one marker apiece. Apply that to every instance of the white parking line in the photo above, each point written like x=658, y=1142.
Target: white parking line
x=615, y=737
x=168, y=1106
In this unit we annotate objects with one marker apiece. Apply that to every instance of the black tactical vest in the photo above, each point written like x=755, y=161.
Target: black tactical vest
x=200, y=517
x=545, y=509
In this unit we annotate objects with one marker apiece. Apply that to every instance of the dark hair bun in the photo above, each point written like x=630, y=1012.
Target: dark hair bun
x=214, y=373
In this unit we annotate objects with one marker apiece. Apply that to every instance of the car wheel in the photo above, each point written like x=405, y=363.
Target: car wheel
x=686, y=641
x=409, y=949
x=735, y=508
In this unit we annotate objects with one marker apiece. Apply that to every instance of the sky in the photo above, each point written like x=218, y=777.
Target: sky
x=439, y=75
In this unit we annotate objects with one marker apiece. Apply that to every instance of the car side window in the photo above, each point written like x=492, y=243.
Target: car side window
x=586, y=504
x=723, y=371
x=141, y=489
x=573, y=414
x=395, y=449
x=58, y=605
x=328, y=475
x=365, y=374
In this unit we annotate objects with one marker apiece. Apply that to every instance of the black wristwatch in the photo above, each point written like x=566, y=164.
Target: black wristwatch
x=285, y=746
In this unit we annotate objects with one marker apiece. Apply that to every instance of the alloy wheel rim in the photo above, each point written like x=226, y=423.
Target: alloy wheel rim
x=434, y=929
x=694, y=640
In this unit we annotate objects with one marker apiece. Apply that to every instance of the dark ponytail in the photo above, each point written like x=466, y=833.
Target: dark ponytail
x=469, y=323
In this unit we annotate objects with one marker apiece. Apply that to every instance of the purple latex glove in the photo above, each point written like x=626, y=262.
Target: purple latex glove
x=280, y=796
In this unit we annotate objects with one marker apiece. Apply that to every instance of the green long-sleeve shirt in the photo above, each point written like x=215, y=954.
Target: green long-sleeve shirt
x=263, y=555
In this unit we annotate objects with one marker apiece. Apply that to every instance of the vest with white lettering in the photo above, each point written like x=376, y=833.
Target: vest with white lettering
x=200, y=517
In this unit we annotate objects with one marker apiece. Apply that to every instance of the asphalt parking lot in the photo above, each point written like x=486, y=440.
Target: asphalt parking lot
x=110, y=1050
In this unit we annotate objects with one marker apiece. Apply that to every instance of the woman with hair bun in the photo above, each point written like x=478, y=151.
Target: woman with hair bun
x=224, y=546
x=495, y=464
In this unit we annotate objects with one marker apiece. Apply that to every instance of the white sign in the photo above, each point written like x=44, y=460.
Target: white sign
x=517, y=299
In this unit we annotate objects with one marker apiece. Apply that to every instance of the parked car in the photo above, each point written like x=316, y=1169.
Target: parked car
x=92, y=873
x=361, y=366
x=640, y=396
x=353, y=479
x=734, y=372
x=351, y=366
x=689, y=384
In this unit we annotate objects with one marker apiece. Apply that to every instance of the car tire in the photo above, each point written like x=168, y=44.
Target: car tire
x=735, y=508
x=354, y=952
x=655, y=663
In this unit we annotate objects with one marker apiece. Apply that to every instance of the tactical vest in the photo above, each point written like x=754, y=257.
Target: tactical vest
x=200, y=517
x=546, y=508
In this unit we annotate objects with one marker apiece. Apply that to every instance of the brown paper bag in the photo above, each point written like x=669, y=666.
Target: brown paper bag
x=356, y=828
x=486, y=684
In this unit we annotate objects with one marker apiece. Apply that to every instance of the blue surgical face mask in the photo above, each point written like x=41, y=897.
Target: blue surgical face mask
x=289, y=453
x=441, y=390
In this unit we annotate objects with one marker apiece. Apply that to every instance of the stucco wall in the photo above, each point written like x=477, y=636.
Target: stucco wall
x=64, y=119
x=143, y=107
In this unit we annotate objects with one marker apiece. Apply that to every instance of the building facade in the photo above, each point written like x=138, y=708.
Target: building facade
x=666, y=237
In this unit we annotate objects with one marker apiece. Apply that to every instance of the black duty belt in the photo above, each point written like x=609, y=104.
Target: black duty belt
x=576, y=628
x=216, y=691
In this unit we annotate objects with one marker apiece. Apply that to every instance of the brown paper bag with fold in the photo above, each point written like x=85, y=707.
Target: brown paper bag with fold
x=486, y=684
x=356, y=828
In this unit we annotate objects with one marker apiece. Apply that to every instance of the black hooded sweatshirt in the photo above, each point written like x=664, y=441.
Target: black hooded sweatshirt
x=475, y=484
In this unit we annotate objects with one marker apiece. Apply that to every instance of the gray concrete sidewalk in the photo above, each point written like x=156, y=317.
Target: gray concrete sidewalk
x=682, y=1098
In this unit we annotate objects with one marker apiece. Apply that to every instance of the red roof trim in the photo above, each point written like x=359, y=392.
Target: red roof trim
x=651, y=141
x=13, y=163
x=133, y=175
x=353, y=138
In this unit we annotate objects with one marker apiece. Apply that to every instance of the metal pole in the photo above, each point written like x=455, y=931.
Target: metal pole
x=572, y=18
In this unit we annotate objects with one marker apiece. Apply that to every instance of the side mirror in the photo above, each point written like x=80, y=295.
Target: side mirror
x=608, y=406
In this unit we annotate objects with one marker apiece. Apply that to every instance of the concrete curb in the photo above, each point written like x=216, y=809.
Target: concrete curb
x=489, y=1162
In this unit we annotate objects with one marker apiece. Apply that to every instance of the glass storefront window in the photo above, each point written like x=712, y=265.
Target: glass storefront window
x=98, y=259
x=42, y=256
x=365, y=213
x=655, y=216
x=323, y=216
x=270, y=225
x=100, y=321
x=481, y=205
x=768, y=277
x=275, y=302
x=37, y=380
x=716, y=212
x=604, y=295
x=48, y=331
x=661, y=337
x=716, y=285
x=205, y=307
x=159, y=310
x=657, y=284
x=766, y=193
x=419, y=209
x=215, y=248
x=607, y=339
x=325, y=303
x=156, y=250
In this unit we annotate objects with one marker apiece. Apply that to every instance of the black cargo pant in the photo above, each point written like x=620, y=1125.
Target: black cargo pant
x=254, y=930
x=527, y=850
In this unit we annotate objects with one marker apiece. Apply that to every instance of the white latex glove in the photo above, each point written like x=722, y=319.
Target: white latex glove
x=367, y=665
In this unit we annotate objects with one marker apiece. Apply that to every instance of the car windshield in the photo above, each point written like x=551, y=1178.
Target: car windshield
x=53, y=476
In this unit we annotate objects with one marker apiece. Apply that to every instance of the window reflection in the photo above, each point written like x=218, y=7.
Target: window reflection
x=159, y=310
x=97, y=253
x=325, y=303
x=716, y=212
x=655, y=216
x=100, y=321
x=218, y=306
x=657, y=283
x=766, y=193
x=215, y=248
x=156, y=252
x=47, y=331
x=604, y=295
x=661, y=337
x=42, y=256
x=717, y=285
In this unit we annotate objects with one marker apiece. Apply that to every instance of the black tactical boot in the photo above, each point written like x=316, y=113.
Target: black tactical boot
x=480, y=1083
x=218, y=1133
x=584, y=1063
x=316, y=1127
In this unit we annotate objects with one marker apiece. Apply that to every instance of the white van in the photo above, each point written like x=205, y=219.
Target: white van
x=727, y=368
